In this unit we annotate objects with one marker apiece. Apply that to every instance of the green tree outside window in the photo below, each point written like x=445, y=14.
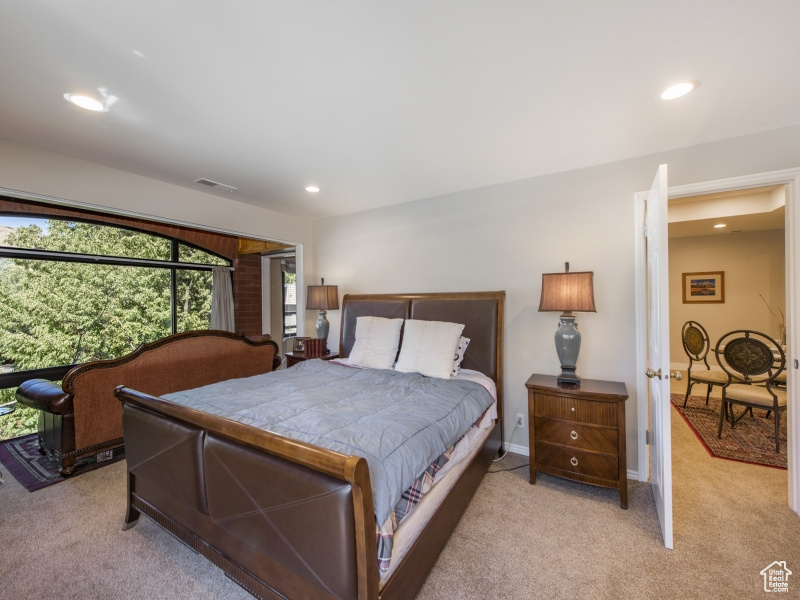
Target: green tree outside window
x=57, y=313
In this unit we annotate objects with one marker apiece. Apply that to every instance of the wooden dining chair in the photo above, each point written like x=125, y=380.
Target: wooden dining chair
x=752, y=361
x=696, y=345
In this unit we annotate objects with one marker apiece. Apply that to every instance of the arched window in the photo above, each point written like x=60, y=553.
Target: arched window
x=72, y=291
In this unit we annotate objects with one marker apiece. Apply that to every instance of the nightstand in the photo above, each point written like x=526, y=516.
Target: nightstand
x=292, y=358
x=579, y=432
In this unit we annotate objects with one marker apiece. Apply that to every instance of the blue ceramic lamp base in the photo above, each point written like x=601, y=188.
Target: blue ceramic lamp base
x=568, y=345
x=323, y=326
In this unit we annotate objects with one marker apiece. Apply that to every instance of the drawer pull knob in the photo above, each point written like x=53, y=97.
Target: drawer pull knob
x=573, y=461
x=573, y=409
x=573, y=435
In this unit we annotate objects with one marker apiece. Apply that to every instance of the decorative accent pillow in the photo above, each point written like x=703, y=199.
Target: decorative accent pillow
x=460, y=350
x=429, y=347
x=376, y=342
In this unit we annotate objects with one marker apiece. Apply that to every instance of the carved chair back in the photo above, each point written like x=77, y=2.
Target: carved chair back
x=695, y=343
x=750, y=357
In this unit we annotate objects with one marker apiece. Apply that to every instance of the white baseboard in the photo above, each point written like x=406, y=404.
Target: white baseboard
x=516, y=449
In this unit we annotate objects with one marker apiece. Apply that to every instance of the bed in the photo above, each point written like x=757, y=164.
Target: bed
x=286, y=518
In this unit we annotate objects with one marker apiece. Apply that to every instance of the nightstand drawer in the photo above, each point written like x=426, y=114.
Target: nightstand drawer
x=575, y=409
x=599, y=439
x=604, y=466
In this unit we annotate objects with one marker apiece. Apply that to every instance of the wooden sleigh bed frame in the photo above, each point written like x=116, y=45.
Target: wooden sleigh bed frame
x=286, y=519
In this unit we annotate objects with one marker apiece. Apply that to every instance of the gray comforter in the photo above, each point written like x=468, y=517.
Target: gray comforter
x=399, y=422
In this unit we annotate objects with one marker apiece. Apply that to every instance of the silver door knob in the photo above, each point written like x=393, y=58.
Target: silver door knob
x=676, y=374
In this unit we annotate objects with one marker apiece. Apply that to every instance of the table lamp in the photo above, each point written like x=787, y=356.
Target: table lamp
x=568, y=292
x=323, y=298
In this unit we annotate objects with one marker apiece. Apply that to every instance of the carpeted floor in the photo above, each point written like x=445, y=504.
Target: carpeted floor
x=752, y=440
x=557, y=539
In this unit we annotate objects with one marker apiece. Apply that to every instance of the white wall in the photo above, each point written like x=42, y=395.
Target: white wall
x=504, y=237
x=753, y=262
x=31, y=170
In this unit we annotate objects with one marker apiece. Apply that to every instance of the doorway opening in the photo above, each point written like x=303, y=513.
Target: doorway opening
x=791, y=179
x=734, y=242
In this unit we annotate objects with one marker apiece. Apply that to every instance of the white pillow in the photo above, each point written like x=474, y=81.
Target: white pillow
x=428, y=348
x=459, y=358
x=376, y=342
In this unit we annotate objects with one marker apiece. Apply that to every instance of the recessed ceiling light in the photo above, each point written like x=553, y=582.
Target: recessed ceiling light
x=676, y=91
x=85, y=102
x=719, y=225
x=312, y=188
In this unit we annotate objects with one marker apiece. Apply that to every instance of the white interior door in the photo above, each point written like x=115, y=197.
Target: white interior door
x=658, y=351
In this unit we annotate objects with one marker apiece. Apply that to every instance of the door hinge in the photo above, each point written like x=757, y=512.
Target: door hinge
x=645, y=231
x=647, y=438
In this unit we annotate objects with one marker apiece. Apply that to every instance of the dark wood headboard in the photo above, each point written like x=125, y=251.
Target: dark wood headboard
x=480, y=312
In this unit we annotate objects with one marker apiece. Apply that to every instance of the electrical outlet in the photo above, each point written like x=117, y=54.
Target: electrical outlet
x=520, y=420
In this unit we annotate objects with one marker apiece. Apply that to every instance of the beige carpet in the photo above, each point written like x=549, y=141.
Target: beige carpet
x=557, y=539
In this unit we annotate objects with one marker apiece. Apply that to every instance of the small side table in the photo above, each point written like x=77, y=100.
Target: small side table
x=292, y=358
x=579, y=432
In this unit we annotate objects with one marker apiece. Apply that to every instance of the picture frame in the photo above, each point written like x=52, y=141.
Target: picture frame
x=704, y=288
x=299, y=344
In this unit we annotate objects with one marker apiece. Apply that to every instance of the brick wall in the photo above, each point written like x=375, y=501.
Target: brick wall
x=247, y=274
x=224, y=245
x=247, y=294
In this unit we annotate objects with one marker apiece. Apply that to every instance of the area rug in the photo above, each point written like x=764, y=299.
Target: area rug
x=751, y=441
x=22, y=459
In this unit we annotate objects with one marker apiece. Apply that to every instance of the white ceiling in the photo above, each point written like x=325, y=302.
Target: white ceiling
x=380, y=103
x=748, y=210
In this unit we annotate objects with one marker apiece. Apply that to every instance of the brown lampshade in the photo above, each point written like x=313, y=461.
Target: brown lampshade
x=323, y=297
x=567, y=292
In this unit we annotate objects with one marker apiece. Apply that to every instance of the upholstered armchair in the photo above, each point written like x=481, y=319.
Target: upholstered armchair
x=82, y=418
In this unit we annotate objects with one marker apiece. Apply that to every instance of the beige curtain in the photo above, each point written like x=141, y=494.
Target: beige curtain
x=222, y=300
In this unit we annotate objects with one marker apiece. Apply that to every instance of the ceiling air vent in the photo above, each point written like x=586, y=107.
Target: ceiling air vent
x=215, y=184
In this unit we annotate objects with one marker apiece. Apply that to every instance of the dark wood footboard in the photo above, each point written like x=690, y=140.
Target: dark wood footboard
x=281, y=517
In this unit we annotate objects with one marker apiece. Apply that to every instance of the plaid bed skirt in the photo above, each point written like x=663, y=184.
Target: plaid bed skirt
x=409, y=499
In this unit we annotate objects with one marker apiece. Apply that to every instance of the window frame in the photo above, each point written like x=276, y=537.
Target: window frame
x=15, y=378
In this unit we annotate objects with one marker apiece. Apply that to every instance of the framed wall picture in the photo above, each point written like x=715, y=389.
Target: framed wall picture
x=299, y=344
x=700, y=288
